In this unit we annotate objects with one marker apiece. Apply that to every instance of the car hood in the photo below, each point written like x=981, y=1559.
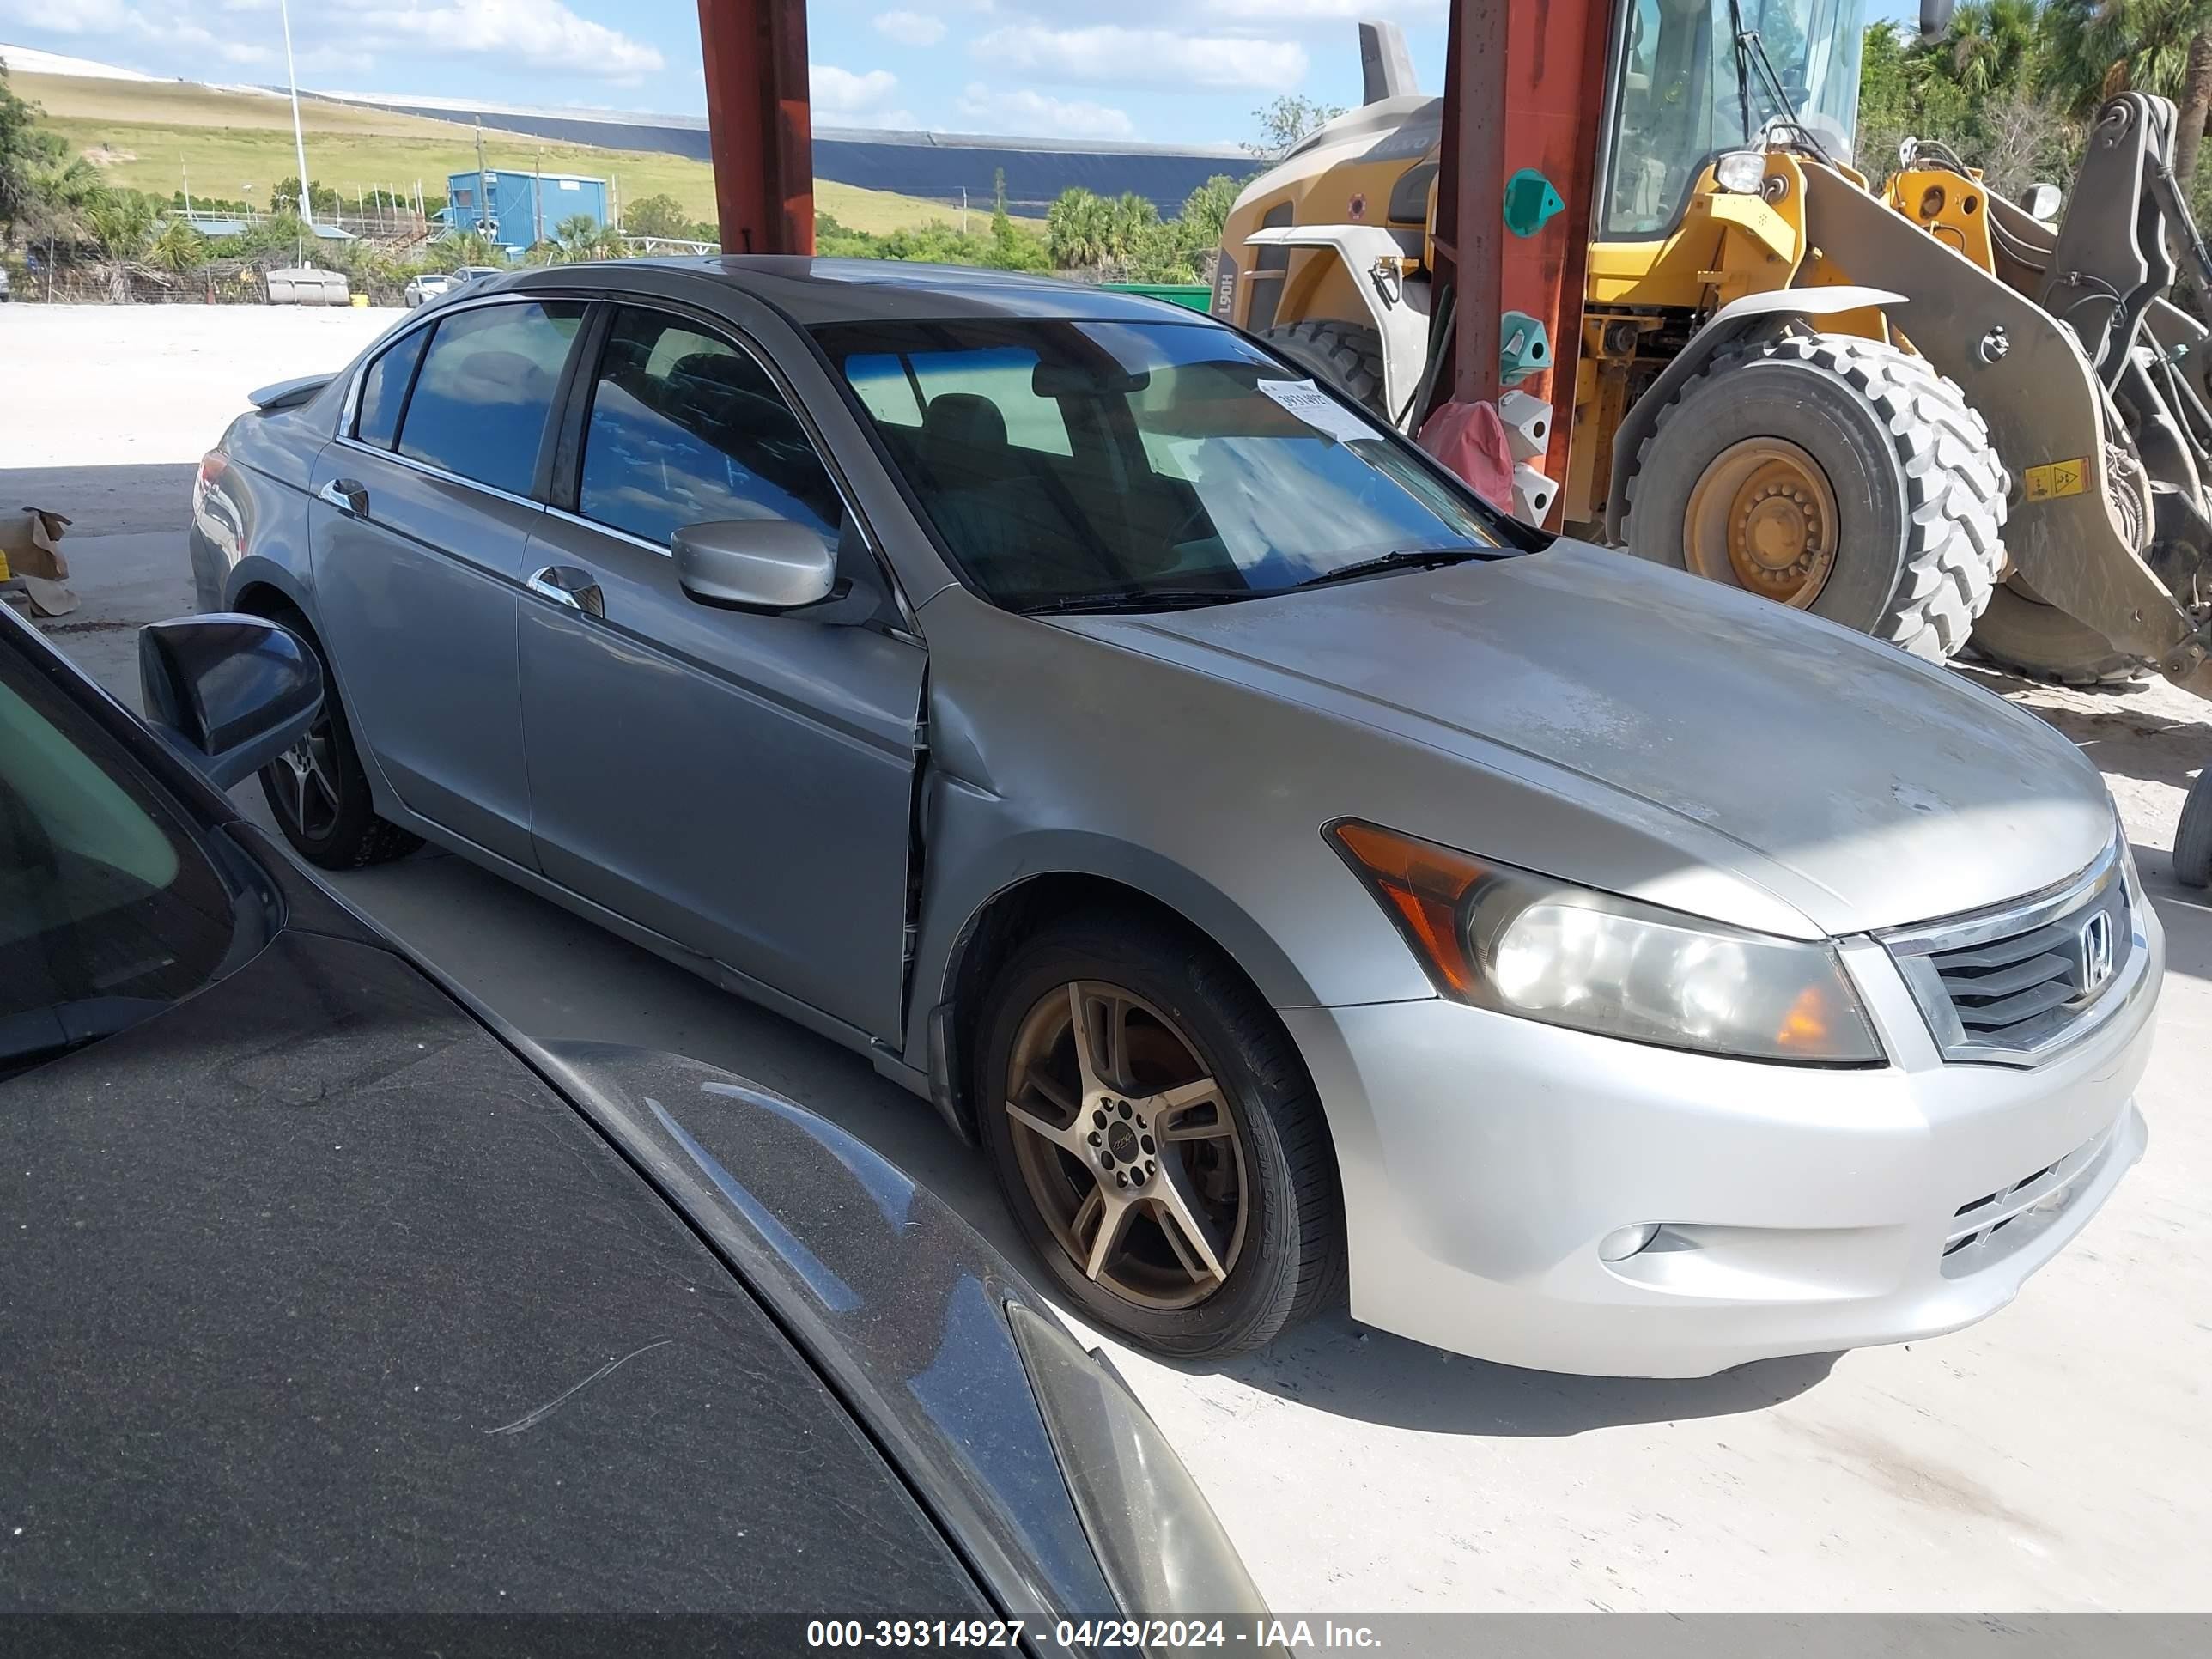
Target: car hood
x=1865, y=788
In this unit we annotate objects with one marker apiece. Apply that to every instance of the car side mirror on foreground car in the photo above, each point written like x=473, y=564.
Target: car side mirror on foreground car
x=228, y=692
x=755, y=564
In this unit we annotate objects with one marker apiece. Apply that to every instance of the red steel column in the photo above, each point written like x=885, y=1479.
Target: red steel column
x=1553, y=109
x=758, y=122
x=1471, y=201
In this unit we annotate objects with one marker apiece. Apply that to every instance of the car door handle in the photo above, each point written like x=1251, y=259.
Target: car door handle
x=349, y=496
x=565, y=584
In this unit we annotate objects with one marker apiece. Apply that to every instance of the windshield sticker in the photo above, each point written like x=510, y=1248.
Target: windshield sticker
x=1317, y=410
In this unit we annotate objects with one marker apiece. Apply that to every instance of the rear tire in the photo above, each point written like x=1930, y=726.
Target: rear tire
x=2021, y=633
x=2192, y=838
x=1897, y=457
x=1254, y=1153
x=317, y=790
x=1346, y=355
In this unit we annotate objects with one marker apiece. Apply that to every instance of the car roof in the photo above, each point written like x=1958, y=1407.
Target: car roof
x=810, y=291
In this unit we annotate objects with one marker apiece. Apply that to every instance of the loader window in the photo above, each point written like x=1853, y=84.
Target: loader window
x=1685, y=94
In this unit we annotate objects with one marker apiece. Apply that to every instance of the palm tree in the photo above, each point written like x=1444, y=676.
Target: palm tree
x=576, y=237
x=2099, y=48
x=1079, y=229
x=178, y=249
x=1995, y=45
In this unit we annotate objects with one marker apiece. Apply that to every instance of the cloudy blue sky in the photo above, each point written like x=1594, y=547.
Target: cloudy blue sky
x=1164, y=71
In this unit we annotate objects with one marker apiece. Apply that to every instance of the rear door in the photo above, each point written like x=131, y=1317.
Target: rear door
x=739, y=783
x=420, y=527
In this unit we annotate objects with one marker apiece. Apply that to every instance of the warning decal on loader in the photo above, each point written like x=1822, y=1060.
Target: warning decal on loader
x=2056, y=478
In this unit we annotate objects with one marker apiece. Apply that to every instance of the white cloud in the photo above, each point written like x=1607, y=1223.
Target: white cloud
x=844, y=98
x=1034, y=114
x=844, y=93
x=538, y=34
x=1109, y=55
x=911, y=28
x=1289, y=14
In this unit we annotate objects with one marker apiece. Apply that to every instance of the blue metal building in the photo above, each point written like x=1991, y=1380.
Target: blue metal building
x=517, y=209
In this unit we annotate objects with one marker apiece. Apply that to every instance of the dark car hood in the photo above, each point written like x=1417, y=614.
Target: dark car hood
x=320, y=1299
x=1893, y=790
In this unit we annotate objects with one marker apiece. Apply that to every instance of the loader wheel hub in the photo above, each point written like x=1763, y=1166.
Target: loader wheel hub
x=1763, y=518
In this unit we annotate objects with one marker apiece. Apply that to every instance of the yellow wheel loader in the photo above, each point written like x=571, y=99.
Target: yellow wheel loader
x=1925, y=412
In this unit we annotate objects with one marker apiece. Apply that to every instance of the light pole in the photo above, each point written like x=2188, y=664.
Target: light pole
x=299, y=140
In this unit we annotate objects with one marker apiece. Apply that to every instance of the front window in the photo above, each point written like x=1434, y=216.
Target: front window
x=109, y=912
x=1146, y=462
x=1688, y=93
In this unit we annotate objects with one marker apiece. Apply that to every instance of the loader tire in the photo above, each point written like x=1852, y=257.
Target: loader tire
x=1835, y=474
x=2021, y=633
x=1346, y=356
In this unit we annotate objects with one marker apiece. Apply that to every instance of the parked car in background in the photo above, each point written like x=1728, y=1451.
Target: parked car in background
x=1285, y=866
x=329, y=1293
x=427, y=286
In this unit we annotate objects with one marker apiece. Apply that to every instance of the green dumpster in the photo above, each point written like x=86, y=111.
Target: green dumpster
x=1191, y=296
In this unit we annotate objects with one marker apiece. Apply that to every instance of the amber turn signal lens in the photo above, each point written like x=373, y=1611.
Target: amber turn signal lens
x=1423, y=887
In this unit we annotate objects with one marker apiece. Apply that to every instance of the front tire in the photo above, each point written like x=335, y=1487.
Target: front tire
x=2021, y=633
x=1158, y=1139
x=1836, y=474
x=2192, y=838
x=1344, y=355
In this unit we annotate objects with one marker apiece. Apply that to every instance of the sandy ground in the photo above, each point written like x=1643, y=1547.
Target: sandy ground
x=2053, y=1458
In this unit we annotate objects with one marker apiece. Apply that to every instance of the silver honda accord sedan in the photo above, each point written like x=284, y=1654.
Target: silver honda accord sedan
x=1296, y=878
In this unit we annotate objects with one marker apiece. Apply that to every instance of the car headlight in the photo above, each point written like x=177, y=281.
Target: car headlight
x=1518, y=942
x=1164, y=1554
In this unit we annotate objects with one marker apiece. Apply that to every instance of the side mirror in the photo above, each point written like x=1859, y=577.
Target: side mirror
x=229, y=693
x=755, y=564
x=2041, y=201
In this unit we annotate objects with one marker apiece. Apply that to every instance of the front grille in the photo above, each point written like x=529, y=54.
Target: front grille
x=2008, y=986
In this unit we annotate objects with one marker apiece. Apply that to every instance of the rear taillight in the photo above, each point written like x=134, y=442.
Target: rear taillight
x=213, y=466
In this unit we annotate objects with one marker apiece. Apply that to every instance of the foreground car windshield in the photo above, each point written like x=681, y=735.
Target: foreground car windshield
x=108, y=911
x=1059, y=459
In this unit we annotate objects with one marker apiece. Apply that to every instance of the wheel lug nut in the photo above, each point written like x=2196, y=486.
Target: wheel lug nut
x=1094, y=1137
x=1149, y=1166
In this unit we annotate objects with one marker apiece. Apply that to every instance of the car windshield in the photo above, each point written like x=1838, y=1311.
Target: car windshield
x=109, y=911
x=1148, y=463
x=1685, y=93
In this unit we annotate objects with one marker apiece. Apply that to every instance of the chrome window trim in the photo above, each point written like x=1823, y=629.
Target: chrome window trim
x=439, y=472
x=1914, y=948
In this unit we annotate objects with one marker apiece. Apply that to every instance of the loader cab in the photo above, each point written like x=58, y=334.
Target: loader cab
x=1682, y=91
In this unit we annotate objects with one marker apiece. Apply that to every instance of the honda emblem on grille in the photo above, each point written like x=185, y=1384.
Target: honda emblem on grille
x=2097, y=950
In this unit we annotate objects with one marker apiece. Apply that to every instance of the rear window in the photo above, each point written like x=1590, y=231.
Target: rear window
x=486, y=386
x=384, y=391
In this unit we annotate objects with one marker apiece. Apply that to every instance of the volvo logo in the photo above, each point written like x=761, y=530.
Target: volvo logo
x=2097, y=950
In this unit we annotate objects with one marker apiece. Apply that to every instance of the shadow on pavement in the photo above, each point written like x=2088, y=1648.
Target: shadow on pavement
x=1335, y=1365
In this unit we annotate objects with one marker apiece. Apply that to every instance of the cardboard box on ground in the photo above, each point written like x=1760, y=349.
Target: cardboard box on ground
x=32, y=565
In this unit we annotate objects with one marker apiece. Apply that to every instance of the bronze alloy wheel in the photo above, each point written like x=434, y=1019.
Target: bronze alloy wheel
x=1763, y=518
x=1127, y=1146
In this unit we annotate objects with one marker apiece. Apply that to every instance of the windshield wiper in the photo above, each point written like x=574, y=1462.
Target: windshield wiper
x=1407, y=558
x=1135, y=599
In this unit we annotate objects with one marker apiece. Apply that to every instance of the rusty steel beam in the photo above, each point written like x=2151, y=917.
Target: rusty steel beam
x=759, y=126
x=1553, y=108
x=1524, y=88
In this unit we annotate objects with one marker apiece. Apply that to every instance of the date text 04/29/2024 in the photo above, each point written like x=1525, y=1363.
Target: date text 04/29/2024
x=1144, y=1635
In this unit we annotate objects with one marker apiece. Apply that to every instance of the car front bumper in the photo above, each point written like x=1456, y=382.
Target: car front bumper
x=1800, y=1209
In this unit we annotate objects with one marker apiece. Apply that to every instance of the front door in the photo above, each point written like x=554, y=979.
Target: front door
x=739, y=783
x=419, y=530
